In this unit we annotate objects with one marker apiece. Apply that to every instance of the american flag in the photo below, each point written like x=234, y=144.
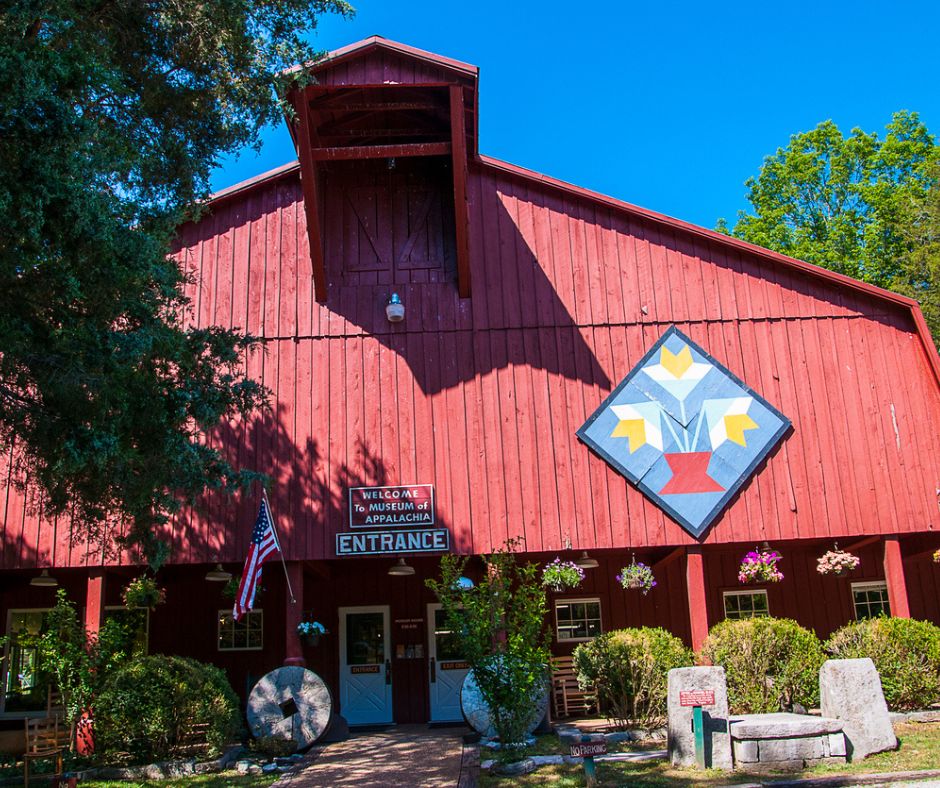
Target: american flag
x=263, y=545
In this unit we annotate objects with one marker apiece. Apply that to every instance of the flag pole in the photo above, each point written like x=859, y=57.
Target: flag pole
x=290, y=590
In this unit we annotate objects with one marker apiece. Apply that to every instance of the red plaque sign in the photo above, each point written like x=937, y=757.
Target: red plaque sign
x=697, y=697
x=383, y=507
x=588, y=749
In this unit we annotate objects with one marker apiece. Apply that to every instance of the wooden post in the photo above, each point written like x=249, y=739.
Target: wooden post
x=695, y=586
x=894, y=575
x=293, y=615
x=94, y=601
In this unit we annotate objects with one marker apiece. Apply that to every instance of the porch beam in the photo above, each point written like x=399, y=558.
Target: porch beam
x=94, y=601
x=894, y=576
x=695, y=588
x=672, y=555
x=293, y=615
x=861, y=543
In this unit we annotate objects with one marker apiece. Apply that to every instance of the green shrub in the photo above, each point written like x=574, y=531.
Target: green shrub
x=771, y=663
x=905, y=652
x=147, y=706
x=629, y=670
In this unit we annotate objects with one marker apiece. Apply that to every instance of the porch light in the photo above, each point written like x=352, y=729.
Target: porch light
x=586, y=562
x=44, y=580
x=395, y=309
x=218, y=575
x=401, y=569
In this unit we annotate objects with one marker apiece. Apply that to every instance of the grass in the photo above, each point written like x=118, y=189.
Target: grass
x=221, y=780
x=920, y=749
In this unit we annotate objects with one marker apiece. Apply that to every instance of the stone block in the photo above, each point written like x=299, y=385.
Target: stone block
x=782, y=725
x=802, y=748
x=837, y=744
x=680, y=735
x=850, y=690
x=745, y=750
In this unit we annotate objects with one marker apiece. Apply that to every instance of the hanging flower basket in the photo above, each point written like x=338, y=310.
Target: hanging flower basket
x=760, y=566
x=836, y=562
x=559, y=575
x=311, y=632
x=936, y=557
x=143, y=592
x=637, y=576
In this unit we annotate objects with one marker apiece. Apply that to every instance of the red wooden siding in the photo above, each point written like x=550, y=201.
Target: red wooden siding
x=481, y=396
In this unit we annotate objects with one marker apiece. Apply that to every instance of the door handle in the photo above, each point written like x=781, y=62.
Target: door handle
x=388, y=671
x=433, y=671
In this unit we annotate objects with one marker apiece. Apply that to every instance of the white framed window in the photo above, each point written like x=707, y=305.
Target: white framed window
x=745, y=604
x=25, y=690
x=870, y=600
x=244, y=635
x=577, y=619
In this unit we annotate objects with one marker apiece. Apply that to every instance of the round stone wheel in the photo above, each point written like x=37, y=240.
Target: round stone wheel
x=477, y=713
x=290, y=703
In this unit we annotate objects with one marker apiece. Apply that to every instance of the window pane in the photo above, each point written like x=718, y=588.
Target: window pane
x=26, y=686
x=738, y=606
x=239, y=635
x=365, y=636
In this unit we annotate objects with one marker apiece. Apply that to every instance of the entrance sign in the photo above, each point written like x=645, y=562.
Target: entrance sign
x=391, y=507
x=697, y=697
x=418, y=540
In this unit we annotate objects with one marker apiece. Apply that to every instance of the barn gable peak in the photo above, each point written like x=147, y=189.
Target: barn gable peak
x=382, y=102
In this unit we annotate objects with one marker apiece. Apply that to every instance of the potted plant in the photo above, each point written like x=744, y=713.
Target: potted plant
x=311, y=631
x=143, y=592
x=559, y=575
x=637, y=576
x=760, y=566
x=836, y=562
x=936, y=557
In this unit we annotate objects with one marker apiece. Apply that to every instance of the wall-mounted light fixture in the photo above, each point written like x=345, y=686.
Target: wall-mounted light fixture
x=586, y=562
x=395, y=309
x=218, y=575
x=401, y=569
x=44, y=580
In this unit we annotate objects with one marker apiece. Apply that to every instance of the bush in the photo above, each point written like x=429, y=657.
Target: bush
x=905, y=652
x=147, y=706
x=771, y=663
x=629, y=670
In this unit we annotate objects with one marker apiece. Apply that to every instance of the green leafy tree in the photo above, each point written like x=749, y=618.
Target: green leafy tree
x=499, y=625
x=844, y=202
x=111, y=118
x=920, y=268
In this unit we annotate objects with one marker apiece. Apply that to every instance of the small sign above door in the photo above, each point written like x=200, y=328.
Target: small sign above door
x=384, y=507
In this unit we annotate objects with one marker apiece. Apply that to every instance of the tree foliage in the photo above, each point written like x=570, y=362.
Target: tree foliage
x=845, y=202
x=111, y=118
x=499, y=625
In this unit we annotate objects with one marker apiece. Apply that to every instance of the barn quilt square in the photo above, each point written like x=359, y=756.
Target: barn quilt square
x=684, y=430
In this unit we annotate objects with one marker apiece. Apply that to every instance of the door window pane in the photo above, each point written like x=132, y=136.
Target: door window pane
x=365, y=638
x=446, y=642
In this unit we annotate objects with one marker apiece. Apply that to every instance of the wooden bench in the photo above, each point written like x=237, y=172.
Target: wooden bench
x=568, y=699
x=47, y=738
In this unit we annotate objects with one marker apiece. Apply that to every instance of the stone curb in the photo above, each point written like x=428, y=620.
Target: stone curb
x=852, y=779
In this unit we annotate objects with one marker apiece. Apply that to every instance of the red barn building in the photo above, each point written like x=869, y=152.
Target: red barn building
x=527, y=301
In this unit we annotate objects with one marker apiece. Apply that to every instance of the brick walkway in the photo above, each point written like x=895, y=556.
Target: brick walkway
x=406, y=755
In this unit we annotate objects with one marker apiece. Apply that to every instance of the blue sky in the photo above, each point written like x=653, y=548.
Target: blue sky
x=669, y=106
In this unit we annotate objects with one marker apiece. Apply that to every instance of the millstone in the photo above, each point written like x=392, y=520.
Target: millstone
x=290, y=703
x=477, y=713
